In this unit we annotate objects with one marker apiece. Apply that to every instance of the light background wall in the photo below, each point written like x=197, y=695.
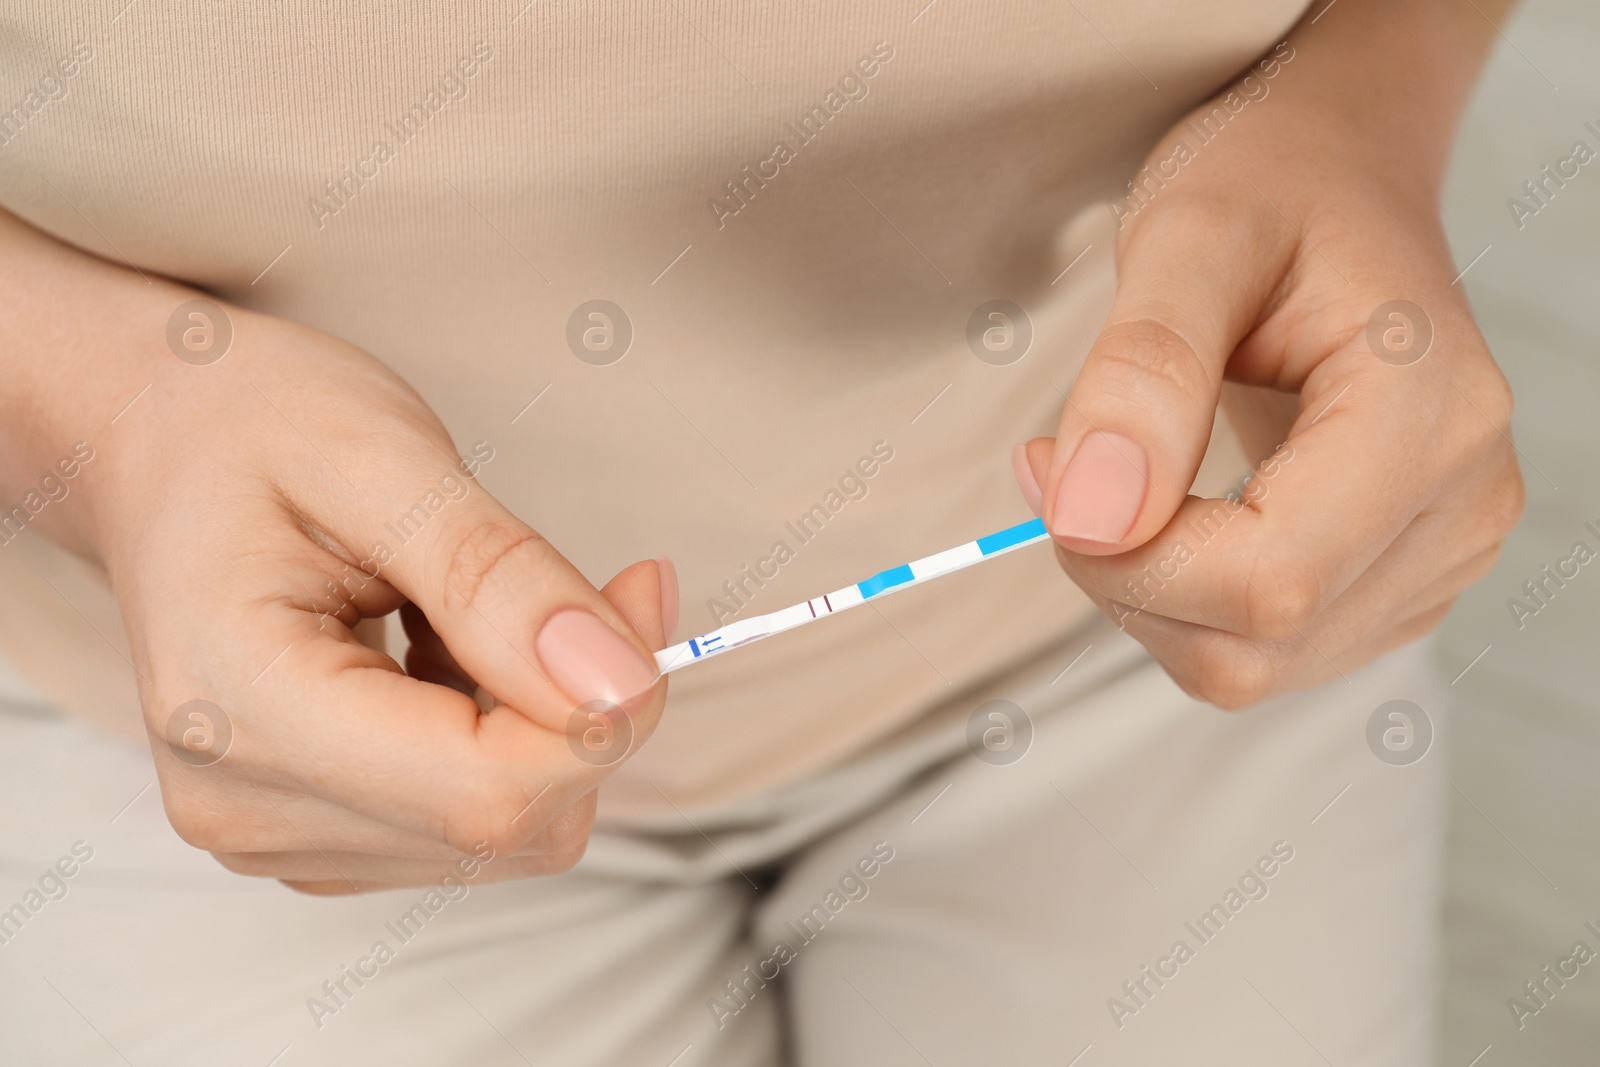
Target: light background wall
x=1524, y=845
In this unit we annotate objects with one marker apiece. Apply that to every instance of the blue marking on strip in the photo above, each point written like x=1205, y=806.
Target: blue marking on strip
x=694, y=648
x=1014, y=536
x=885, y=580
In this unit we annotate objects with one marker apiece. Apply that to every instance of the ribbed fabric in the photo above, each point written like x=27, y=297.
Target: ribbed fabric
x=773, y=345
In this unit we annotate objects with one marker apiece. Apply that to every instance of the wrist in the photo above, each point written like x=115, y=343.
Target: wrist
x=1383, y=83
x=75, y=383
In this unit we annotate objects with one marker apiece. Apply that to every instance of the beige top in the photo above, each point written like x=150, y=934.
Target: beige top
x=798, y=209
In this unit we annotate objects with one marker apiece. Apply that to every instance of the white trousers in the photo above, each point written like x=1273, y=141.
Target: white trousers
x=1153, y=881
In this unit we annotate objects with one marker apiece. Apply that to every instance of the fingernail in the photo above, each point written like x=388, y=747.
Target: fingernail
x=1101, y=490
x=1026, y=481
x=588, y=660
x=669, y=596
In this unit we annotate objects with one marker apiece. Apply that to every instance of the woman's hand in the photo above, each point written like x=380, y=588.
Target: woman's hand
x=1286, y=254
x=250, y=513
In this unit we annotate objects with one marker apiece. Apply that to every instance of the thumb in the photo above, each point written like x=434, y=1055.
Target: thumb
x=645, y=594
x=1192, y=282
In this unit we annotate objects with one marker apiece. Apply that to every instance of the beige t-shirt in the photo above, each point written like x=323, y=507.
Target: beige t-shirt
x=799, y=210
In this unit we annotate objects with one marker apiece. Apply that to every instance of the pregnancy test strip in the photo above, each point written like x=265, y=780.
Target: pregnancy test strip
x=748, y=631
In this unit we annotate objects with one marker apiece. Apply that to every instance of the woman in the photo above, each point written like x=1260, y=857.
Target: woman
x=451, y=311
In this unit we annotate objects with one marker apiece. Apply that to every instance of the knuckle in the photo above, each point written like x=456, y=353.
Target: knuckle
x=1473, y=570
x=544, y=864
x=1506, y=503
x=201, y=827
x=562, y=862
x=474, y=552
x=500, y=820
x=1145, y=351
x=570, y=830
x=1496, y=401
x=1281, y=598
x=247, y=863
x=1233, y=675
x=1431, y=621
x=473, y=834
x=1481, y=415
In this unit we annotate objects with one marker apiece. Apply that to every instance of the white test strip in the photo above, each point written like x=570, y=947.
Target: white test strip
x=748, y=631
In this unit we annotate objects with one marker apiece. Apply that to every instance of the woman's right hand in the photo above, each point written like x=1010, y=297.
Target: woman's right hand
x=250, y=512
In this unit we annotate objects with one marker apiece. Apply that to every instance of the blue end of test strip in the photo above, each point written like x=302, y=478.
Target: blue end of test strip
x=998, y=542
x=884, y=580
x=906, y=573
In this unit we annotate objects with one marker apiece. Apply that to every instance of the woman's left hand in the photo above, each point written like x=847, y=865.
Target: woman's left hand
x=1298, y=250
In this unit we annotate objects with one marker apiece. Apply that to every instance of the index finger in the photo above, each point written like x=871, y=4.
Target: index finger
x=422, y=757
